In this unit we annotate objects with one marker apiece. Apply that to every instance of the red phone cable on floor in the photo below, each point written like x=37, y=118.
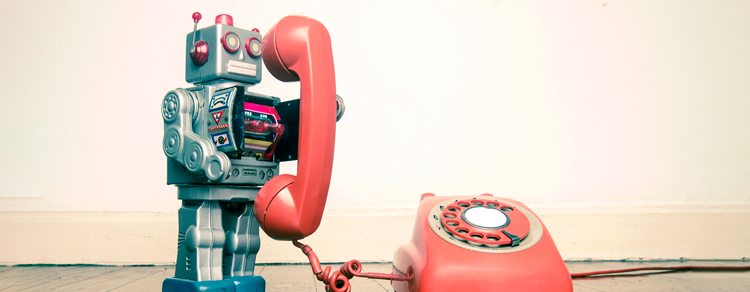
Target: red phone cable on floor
x=340, y=278
x=669, y=269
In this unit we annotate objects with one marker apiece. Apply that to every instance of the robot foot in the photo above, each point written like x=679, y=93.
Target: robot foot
x=249, y=283
x=233, y=284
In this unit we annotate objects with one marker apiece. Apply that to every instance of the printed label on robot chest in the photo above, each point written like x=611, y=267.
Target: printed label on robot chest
x=221, y=140
x=219, y=127
x=217, y=116
x=219, y=101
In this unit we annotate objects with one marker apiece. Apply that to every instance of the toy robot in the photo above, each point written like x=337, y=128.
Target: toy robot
x=221, y=142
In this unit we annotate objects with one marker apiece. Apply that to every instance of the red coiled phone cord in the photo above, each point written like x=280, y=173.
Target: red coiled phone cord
x=338, y=281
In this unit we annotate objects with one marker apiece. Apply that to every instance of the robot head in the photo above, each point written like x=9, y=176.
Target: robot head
x=222, y=51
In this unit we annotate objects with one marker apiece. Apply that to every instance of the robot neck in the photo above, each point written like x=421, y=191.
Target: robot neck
x=223, y=83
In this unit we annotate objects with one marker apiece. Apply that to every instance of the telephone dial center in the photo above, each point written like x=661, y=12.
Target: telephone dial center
x=485, y=217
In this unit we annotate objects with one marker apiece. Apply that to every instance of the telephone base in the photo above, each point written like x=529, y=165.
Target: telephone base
x=233, y=284
x=507, y=248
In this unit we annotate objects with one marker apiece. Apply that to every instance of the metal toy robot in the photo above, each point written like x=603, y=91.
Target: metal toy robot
x=224, y=144
x=220, y=141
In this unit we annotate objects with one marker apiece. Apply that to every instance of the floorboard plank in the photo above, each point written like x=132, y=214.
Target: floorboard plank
x=64, y=279
x=105, y=274
x=298, y=278
x=122, y=277
x=151, y=282
x=45, y=276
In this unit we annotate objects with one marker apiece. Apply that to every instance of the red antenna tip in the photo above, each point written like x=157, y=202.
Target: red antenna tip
x=196, y=17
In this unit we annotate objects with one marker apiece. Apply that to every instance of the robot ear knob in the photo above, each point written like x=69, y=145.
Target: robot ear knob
x=340, y=107
x=199, y=53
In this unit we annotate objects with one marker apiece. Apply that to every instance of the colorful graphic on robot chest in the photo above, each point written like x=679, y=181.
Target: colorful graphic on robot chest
x=260, y=122
x=217, y=116
x=221, y=140
x=218, y=101
x=219, y=123
x=216, y=107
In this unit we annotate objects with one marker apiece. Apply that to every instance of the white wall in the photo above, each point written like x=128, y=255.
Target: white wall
x=553, y=103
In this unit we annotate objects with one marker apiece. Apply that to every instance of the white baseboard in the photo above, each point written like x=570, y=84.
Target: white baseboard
x=601, y=233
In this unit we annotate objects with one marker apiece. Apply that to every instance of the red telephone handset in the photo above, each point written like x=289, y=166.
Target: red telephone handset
x=298, y=48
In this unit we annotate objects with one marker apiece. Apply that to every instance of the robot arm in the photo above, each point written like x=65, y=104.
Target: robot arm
x=196, y=153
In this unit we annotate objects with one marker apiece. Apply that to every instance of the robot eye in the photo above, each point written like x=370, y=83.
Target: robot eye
x=252, y=46
x=231, y=42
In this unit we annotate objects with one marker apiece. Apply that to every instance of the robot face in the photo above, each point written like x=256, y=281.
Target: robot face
x=222, y=51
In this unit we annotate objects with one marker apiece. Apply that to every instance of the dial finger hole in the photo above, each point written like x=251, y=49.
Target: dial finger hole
x=463, y=204
x=477, y=203
x=452, y=223
x=493, y=237
x=493, y=205
x=474, y=243
x=477, y=235
x=453, y=209
x=507, y=208
x=449, y=215
x=462, y=230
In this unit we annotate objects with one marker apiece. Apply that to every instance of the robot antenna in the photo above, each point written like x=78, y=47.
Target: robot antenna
x=196, y=17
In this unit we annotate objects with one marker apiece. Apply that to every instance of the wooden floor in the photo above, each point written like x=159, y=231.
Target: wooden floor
x=299, y=278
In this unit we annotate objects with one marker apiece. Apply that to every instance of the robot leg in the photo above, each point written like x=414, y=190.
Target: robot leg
x=200, y=241
x=242, y=239
x=200, y=249
x=241, y=247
